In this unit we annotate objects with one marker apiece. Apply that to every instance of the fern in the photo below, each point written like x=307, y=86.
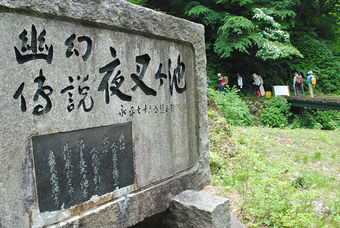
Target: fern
x=207, y=16
x=222, y=49
x=283, y=14
x=236, y=24
x=255, y=28
x=234, y=43
x=238, y=2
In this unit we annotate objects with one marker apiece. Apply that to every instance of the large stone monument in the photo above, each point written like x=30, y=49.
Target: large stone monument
x=103, y=112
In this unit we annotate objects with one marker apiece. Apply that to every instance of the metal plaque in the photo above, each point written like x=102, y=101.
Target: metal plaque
x=71, y=167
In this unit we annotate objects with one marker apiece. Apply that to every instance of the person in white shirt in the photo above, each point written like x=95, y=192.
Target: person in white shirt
x=240, y=83
x=261, y=88
x=256, y=85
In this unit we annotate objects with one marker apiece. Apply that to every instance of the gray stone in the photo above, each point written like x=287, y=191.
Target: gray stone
x=235, y=222
x=259, y=123
x=297, y=179
x=320, y=207
x=253, y=110
x=169, y=137
x=198, y=209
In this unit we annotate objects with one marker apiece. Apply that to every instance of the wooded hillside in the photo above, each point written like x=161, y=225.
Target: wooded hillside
x=272, y=38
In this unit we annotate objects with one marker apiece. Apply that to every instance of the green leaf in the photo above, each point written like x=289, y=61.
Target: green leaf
x=206, y=15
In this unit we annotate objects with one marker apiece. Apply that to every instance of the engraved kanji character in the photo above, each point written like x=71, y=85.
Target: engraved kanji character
x=36, y=45
x=172, y=106
x=116, y=82
x=132, y=111
x=70, y=46
x=159, y=75
x=22, y=98
x=177, y=76
x=122, y=111
x=144, y=60
x=83, y=92
x=39, y=109
x=122, y=142
x=155, y=108
x=145, y=108
x=138, y=109
x=70, y=105
x=161, y=108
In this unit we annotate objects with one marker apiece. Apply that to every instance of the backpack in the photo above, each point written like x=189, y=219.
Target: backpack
x=224, y=81
x=299, y=79
x=313, y=80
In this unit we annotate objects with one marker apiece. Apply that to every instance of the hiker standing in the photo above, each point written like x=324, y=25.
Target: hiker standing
x=261, y=88
x=223, y=81
x=240, y=83
x=208, y=81
x=311, y=79
x=256, y=85
x=297, y=84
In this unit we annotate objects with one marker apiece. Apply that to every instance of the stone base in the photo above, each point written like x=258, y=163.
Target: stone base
x=200, y=210
x=235, y=222
x=134, y=207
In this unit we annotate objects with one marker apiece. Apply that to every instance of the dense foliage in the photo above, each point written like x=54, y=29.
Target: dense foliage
x=273, y=38
x=325, y=120
x=234, y=111
x=275, y=112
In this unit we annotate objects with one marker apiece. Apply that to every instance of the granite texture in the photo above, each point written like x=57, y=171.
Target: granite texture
x=235, y=222
x=171, y=149
x=198, y=209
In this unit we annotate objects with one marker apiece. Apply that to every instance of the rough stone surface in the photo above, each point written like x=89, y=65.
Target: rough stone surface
x=235, y=222
x=198, y=209
x=320, y=207
x=170, y=148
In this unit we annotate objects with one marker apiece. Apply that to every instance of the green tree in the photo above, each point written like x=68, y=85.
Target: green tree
x=272, y=38
x=257, y=28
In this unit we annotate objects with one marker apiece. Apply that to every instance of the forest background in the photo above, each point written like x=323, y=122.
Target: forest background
x=272, y=38
x=282, y=175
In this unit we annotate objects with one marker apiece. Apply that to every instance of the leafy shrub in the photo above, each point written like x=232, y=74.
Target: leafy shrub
x=275, y=112
x=216, y=162
x=316, y=156
x=329, y=120
x=326, y=120
x=305, y=119
x=234, y=111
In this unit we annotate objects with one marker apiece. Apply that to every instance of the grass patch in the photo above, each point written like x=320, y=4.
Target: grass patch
x=316, y=156
x=277, y=177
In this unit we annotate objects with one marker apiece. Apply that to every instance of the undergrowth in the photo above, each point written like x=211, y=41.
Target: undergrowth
x=234, y=111
x=276, y=177
x=275, y=112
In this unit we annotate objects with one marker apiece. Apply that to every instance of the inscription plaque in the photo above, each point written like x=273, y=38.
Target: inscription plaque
x=71, y=167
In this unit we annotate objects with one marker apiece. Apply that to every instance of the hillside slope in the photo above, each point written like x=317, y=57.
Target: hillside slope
x=276, y=177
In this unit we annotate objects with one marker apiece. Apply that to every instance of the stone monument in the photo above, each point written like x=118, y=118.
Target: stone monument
x=103, y=112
